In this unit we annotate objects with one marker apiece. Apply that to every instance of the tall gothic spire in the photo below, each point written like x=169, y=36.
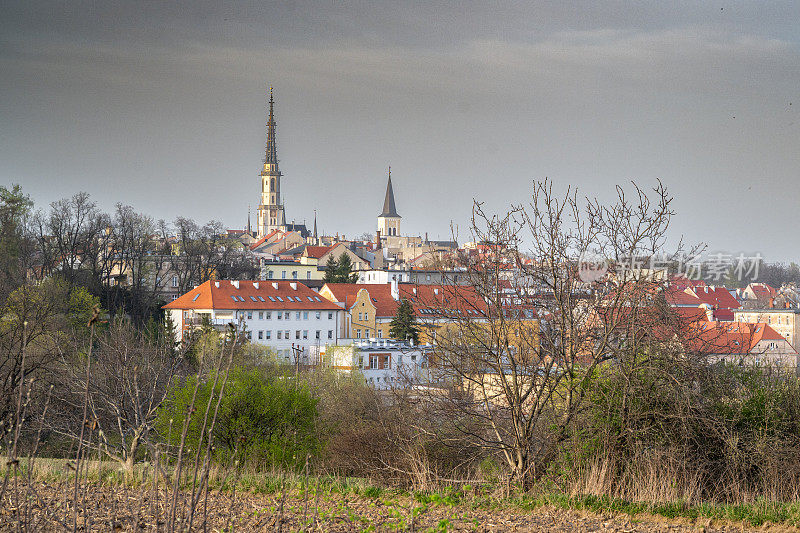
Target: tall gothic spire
x=389, y=209
x=272, y=152
x=315, y=225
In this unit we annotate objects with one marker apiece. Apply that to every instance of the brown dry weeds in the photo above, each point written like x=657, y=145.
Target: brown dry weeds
x=115, y=508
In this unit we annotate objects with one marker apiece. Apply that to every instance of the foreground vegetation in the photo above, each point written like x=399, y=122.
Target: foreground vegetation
x=311, y=499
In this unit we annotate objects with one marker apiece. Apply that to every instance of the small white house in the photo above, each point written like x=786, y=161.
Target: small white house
x=385, y=364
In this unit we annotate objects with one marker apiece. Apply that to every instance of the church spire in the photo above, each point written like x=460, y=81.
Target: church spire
x=389, y=209
x=315, y=226
x=272, y=152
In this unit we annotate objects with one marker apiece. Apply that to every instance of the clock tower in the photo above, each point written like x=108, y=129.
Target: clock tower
x=270, y=209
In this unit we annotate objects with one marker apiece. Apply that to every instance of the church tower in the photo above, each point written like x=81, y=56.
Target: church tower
x=389, y=220
x=270, y=210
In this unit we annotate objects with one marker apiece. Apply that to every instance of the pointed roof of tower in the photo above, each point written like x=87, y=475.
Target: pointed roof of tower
x=315, y=223
x=389, y=209
x=272, y=152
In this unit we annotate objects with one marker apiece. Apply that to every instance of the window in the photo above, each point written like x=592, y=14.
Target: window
x=271, y=299
x=297, y=334
x=249, y=315
x=260, y=334
x=330, y=333
x=360, y=317
x=269, y=274
x=318, y=332
x=249, y=334
x=253, y=298
x=373, y=362
x=196, y=296
x=305, y=333
x=318, y=315
x=279, y=333
x=358, y=334
x=286, y=315
x=361, y=361
x=279, y=315
x=174, y=281
x=308, y=274
x=261, y=315
x=286, y=333
x=294, y=274
x=280, y=299
x=269, y=315
x=297, y=315
x=330, y=316
x=380, y=333
x=305, y=315
x=269, y=334
x=283, y=274
x=234, y=298
x=261, y=299
x=174, y=297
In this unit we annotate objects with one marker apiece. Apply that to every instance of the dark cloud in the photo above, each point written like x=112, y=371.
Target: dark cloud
x=161, y=106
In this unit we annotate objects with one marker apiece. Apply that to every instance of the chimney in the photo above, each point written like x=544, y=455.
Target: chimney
x=395, y=289
x=235, y=283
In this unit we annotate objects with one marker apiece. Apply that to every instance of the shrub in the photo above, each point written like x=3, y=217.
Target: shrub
x=263, y=419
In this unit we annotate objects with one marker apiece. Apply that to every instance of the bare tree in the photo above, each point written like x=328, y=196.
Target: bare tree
x=130, y=377
x=520, y=357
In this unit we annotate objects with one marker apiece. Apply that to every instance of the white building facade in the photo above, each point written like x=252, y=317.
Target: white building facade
x=286, y=316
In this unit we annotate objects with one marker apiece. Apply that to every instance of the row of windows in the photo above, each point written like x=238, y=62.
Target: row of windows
x=271, y=274
x=286, y=334
x=285, y=315
x=366, y=333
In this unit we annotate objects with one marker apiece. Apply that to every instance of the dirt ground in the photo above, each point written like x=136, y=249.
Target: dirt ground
x=121, y=509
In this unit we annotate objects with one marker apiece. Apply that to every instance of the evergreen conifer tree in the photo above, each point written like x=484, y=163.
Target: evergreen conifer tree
x=345, y=272
x=404, y=324
x=331, y=271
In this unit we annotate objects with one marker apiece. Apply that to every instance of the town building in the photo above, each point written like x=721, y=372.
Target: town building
x=279, y=314
x=384, y=364
x=369, y=308
x=786, y=321
x=741, y=343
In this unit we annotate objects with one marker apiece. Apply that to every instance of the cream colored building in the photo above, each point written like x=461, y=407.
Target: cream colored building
x=784, y=321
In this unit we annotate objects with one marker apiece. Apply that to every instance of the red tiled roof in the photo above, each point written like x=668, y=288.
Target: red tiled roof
x=252, y=295
x=728, y=338
x=316, y=251
x=677, y=296
x=427, y=300
x=380, y=293
x=718, y=297
x=762, y=290
x=265, y=238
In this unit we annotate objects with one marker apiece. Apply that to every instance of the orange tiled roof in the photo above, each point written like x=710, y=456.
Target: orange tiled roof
x=252, y=295
x=316, y=251
x=427, y=300
x=729, y=338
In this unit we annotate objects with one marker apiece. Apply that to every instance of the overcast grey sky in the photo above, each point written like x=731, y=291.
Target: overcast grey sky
x=161, y=105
